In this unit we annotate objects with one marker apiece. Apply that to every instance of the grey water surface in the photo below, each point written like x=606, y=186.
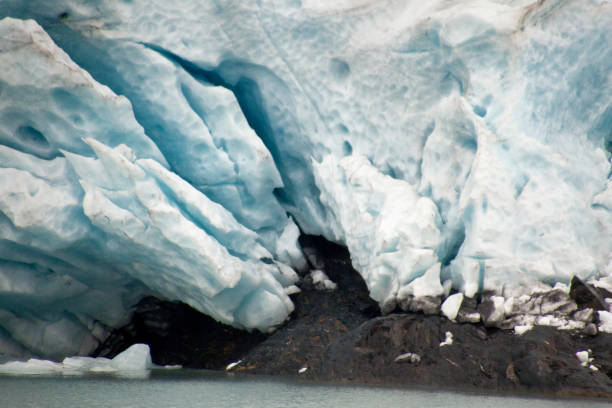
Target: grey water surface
x=191, y=388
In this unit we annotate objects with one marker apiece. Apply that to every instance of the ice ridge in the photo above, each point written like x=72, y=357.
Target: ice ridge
x=174, y=149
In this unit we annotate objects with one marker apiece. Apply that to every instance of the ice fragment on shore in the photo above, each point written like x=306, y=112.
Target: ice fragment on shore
x=448, y=340
x=451, y=306
x=232, y=365
x=605, y=321
x=584, y=358
x=522, y=329
x=321, y=281
x=409, y=357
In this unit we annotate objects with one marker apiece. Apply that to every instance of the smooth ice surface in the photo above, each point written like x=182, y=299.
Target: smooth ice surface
x=174, y=149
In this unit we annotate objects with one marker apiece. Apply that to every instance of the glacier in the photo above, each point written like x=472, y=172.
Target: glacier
x=179, y=150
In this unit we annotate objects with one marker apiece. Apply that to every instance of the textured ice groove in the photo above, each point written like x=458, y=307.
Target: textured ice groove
x=149, y=147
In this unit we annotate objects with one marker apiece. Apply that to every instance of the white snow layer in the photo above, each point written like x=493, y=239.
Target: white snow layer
x=149, y=147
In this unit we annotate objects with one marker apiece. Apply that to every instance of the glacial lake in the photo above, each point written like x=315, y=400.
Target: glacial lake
x=191, y=388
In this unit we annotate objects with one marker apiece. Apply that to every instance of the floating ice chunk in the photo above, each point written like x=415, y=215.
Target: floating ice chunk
x=31, y=367
x=605, y=321
x=451, y=306
x=136, y=358
x=81, y=365
x=448, y=340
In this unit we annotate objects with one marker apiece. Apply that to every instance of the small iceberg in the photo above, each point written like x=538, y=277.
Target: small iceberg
x=134, y=362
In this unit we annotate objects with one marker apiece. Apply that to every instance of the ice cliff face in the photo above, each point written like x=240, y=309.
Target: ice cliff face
x=149, y=147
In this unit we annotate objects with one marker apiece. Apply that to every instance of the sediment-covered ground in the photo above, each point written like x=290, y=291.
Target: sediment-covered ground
x=339, y=335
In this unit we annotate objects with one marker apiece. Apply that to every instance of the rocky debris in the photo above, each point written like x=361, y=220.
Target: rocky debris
x=179, y=334
x=555, y=308
x=416, y=349
x=320, y=316
x=587, y=296
x=585, y=315
x=542, y=360
x=340, y=335
x=555, y=301
x=491, y=310
x=590, y=329
x=468, y=312
x=429, y=305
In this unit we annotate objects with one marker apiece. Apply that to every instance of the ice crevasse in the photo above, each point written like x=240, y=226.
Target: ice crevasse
x=174, y=149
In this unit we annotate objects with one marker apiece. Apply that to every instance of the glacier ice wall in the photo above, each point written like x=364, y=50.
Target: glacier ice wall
x=89, y=224
x=149, y=147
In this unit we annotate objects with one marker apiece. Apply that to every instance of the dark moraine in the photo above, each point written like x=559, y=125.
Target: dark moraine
x=340, y=336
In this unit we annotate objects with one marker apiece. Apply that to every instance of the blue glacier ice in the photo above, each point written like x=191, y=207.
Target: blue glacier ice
x=173, y=149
